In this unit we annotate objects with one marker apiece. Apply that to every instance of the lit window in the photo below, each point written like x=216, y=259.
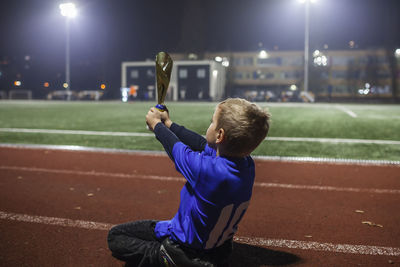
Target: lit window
x=183, y=73
x=201, y=73
x=135, y=74
x=150, y=73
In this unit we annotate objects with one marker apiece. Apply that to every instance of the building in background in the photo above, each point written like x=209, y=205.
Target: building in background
x=334, y=74
x=195, y=80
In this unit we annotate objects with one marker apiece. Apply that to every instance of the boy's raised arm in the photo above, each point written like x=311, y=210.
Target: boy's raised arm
x=166, y=137
x=195, y=141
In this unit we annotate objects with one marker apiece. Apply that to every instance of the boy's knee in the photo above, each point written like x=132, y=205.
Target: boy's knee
x=112, y=234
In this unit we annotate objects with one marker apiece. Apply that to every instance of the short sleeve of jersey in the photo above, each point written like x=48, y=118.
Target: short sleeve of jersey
x=188, y=162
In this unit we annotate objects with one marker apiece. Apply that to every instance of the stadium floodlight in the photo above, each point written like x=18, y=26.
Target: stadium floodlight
x=303, y=1
x=68, y=10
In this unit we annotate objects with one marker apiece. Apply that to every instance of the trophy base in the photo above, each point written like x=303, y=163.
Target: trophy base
x=161, y=107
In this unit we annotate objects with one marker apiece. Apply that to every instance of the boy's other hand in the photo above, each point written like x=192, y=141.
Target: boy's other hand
x=153, y=117
x=165, y=118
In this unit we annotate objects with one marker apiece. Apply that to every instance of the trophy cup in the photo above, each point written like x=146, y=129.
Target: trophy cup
x=163, y=73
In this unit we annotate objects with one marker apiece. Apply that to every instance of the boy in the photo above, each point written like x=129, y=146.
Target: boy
x=220, y=176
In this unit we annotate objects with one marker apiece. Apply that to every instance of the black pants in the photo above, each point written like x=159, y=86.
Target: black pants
x=136, y=244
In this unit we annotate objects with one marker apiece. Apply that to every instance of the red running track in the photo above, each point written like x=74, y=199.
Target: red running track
x=56, y=207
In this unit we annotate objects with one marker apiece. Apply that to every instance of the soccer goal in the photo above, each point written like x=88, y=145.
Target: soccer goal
x=20, y=94
x=90, y=95
x=3, y=95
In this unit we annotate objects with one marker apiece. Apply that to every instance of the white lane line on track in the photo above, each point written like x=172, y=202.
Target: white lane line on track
x=179, y=179
x=133, y=134
x=255, y=241
x=329, y=188
x=347, y=111
x=54, y=221
x=163, y=154
x=307, y=245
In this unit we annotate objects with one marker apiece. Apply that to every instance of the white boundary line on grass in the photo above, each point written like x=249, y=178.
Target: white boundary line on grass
x=75, y=132
x=180, y=179
x=255, y=241
x=347, y=111
x=136, y=134
x=163, y=154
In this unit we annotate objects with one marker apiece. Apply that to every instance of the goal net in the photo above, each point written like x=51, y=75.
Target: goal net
x=20, y=94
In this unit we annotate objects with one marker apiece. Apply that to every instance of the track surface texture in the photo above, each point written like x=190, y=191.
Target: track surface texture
x=56, y=207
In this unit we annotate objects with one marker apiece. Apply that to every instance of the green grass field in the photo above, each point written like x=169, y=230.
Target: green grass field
x=372, y=122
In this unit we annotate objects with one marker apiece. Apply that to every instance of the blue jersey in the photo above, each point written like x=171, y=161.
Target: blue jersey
x=213, y=200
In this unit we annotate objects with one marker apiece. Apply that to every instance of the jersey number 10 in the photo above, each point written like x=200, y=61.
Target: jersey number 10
x=222, y=231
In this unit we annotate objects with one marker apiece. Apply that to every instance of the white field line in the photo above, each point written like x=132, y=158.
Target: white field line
x=179, y=179
x=263, y=242
x=347, y=111
x=329, y=160
x=77, y=132
x=134, y=134
x=334, y=140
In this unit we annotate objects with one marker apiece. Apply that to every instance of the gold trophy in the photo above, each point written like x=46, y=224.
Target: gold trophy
x=163, y=73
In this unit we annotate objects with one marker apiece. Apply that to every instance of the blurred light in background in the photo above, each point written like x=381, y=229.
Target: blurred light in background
x=193, y=56
x=17, y=83
x=397, y=52
x=225, y=62
x=46, y=84
x=320, y=59
x=65, y=85
x=124, y=94
x=218, y=59
x=215, y=73
x=365, y=90
x=263, y=54
x=68, y=10
x=103, y=86
x=293, y=87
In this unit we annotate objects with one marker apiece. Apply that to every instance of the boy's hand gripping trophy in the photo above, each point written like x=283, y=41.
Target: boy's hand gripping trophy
x=163, y=73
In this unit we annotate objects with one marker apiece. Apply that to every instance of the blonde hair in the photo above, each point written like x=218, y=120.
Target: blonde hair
x=245, y=124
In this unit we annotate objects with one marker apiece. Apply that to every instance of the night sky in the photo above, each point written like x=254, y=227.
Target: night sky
x=107, y=32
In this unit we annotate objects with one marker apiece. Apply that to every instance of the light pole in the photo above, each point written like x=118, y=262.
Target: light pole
x=306, y=39
x=68, y=10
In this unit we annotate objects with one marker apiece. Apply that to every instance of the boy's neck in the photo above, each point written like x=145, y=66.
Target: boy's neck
x=222, y=153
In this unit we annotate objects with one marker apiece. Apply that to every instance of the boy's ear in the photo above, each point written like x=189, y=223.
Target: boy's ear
x=220, y=136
